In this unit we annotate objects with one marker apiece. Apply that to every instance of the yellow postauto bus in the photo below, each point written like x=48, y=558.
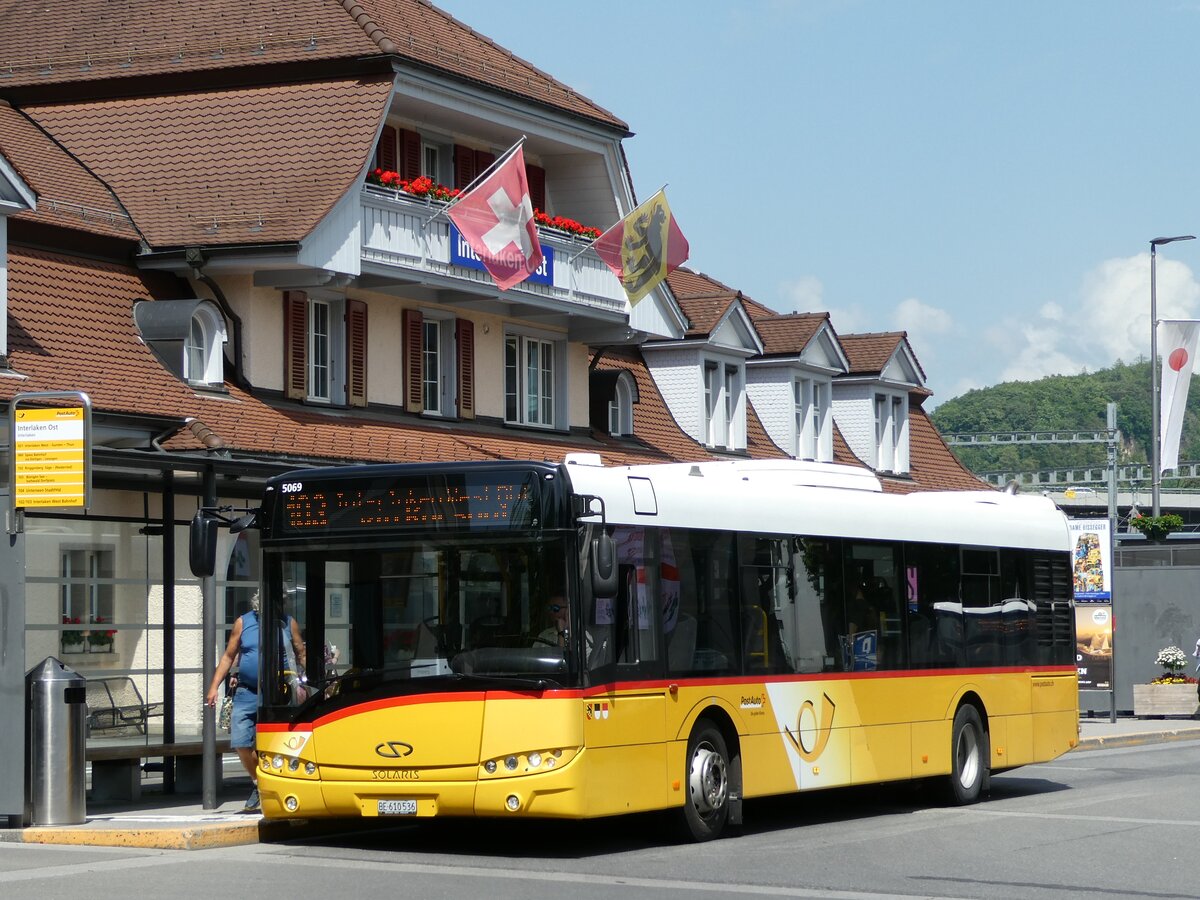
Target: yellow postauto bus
x=520, y=639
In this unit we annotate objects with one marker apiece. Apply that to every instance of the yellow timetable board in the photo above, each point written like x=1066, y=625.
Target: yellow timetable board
x=49, y=465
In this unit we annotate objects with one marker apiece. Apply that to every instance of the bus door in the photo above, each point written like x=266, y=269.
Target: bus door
x=624, y=710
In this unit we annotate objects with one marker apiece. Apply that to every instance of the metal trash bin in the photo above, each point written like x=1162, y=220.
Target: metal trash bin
x=56, y=729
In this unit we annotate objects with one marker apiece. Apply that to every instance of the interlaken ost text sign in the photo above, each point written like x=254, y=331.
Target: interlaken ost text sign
x=50, y=456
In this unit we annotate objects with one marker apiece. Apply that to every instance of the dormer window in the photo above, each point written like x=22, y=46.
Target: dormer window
x=811, y=405
x=611, y=395
x=187, y=336
x=202, y=357
x=724, y=411
x=891, y=433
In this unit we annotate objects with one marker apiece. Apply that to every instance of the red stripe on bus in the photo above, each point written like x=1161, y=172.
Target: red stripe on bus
x=655, y=685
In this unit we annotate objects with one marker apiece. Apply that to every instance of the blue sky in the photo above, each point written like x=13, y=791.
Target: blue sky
x=985, y=176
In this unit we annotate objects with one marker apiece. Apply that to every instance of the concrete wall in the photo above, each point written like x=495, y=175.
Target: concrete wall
x=1156, y=604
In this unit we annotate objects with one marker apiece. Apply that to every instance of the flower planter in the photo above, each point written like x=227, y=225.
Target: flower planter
x=1154, y=700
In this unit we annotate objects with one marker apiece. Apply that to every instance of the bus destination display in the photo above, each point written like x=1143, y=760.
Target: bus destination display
x=416, y=503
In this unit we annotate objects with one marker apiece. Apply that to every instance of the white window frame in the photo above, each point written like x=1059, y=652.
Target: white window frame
x=446, y=353
x=540, y=409
x=325, y=349
x=811, y=417
x=724, y=388
x=202, y=347
x=620, y=410
x=891, y=432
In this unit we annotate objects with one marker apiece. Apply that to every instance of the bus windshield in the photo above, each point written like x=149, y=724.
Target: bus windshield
x=450, y=608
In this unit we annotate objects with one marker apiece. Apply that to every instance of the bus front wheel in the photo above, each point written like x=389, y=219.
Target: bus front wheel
x=969, y=756
x=706, y=806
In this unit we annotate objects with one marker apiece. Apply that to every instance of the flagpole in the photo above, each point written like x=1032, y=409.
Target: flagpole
x=618, y=222
x=499, y=161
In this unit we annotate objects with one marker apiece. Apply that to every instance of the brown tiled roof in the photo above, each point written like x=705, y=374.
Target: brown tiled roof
x=933, y=465
x=788, y=335
x=227, y=167
x=685, y=282
x=71, y=328
x=757, y=310
x=67, y=194
x=869, y=353
x=94, y=40
x=89, y=40
x=653, y=424
x=426, y=34
x=704, y=313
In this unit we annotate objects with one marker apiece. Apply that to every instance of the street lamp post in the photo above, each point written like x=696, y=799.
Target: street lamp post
x=1155, y=389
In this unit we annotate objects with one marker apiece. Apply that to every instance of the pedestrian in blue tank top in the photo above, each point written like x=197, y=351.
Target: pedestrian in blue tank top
x=242, y=650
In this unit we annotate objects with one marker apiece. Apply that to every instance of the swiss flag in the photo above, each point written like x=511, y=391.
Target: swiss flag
x=1177, y=342
x=496, y=218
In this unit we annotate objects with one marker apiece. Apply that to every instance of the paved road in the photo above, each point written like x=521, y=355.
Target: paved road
x=1106, y=823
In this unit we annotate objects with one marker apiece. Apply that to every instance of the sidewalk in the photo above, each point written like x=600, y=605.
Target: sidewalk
x=181, y=823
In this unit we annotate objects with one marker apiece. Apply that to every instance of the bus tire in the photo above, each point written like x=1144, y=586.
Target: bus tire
x=706, y=804
x=968, y=757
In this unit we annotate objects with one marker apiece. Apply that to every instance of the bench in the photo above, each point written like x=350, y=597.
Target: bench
x=117, y=768
x=116, y=702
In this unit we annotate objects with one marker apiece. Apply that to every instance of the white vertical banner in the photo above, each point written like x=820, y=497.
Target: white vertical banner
x=1177, y=343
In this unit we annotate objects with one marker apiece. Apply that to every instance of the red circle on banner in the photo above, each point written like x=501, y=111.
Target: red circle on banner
x=1178, y=358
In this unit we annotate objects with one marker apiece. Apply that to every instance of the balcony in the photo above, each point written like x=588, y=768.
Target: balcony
x=407, y=247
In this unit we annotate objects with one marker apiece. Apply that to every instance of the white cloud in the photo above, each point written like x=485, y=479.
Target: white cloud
x=1109, y=320
x=923, y=323
x=803, y=294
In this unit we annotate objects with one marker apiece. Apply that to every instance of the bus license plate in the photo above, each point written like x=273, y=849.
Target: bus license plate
x=397, y=808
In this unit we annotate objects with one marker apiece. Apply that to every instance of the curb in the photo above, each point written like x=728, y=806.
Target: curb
x=1138, y=739
x=200, y=836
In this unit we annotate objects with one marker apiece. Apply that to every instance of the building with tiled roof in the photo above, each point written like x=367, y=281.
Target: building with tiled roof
x=195, y=233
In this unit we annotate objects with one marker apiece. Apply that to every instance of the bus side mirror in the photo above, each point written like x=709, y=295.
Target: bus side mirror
x=202, y=545
x=604, y=566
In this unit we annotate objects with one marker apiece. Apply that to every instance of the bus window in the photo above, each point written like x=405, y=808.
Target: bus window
x=935, y=630
x=639, y=596
x=818, y=620
x=983, y=624
x=1019, y=612
x=874, y=621
x=767, y=604
x=705, y=563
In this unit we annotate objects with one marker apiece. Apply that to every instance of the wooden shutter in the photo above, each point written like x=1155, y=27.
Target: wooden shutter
x=483, y=159
x=356, y=353
x=536, y=176
x=464, y=166
x=414, y=363
x=295, y=345
x=410, y=155
x=464, y=334
x=385, y=153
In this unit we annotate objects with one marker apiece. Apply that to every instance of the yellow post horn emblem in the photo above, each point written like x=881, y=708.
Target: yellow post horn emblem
x=800, y=739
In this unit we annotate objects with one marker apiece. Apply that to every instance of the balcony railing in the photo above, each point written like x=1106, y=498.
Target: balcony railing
x=401, y=230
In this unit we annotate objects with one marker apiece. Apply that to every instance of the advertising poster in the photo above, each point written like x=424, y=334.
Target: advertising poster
x=1091, y=563
x=1093, y=646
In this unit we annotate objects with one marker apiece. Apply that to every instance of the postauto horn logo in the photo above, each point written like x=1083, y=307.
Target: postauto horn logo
x=393, y=749
x=802, y=739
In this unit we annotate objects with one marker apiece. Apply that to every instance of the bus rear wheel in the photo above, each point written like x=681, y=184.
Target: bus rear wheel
x=969, y=756
x=706, y=806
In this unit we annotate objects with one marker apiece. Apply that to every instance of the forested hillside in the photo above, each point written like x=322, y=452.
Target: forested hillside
x=1063, y=402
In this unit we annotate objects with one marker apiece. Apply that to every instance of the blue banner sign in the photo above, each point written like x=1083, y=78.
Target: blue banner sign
x=461, y=254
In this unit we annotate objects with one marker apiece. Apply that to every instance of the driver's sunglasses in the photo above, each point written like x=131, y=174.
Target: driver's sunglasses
x=555, y=607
